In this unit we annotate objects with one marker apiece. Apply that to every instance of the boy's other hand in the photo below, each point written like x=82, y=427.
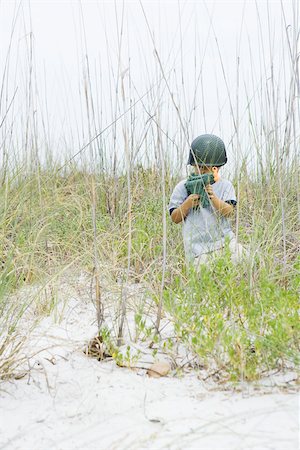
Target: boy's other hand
x=224, y=208
x=192, y=200
x=180, y=213
x=209, y=191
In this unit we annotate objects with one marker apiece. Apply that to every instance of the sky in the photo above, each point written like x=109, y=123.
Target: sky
x=70, y=68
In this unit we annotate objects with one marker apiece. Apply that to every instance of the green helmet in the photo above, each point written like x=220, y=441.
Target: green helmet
x=207, y=150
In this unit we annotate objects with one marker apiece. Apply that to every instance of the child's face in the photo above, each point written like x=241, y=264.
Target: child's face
x=202, y=169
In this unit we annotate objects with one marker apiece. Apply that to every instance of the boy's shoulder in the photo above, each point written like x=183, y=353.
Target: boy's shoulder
x=181, y=184
x=222, y=183
x=225, y=190
x=225, y=182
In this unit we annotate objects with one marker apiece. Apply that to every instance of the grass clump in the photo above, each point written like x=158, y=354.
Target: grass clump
x=242, y=327
x=241, y=319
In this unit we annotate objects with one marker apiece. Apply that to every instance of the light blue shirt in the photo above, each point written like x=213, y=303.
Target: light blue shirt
x=204, y=229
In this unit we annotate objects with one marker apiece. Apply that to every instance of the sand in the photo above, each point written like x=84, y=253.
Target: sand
x=66, y=400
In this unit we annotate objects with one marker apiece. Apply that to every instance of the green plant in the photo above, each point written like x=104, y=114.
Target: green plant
x=245, y=326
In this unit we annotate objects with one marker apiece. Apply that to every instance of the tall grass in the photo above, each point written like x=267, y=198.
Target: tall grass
x=104, y=210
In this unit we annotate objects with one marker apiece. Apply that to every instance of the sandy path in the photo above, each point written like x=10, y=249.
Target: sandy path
x=88, y=405
x=71, y=402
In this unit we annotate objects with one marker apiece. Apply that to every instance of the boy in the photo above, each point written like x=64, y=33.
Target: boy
x=205, y=223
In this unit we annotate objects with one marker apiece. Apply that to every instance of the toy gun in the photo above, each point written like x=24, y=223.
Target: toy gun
x=195, y=184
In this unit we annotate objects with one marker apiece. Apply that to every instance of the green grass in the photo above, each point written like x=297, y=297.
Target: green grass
x=244, y=328
x=46, y=223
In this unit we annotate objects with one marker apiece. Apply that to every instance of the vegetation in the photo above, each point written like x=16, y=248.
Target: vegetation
x=113, y=221
x=244, y=319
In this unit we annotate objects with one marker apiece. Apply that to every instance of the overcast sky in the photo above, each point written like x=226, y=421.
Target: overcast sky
x=206, y=50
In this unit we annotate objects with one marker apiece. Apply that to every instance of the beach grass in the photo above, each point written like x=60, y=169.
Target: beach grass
x=104, y=210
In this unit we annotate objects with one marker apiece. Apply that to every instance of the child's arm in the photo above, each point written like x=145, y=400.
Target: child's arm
x=224, y=208
x=180, y=213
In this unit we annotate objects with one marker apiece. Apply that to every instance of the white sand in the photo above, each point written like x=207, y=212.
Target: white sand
x=68, y=401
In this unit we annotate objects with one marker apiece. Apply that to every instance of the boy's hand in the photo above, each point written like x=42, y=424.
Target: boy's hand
x=224, y=208
x=192, y=201
x=209, y=191
x=180, y=213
